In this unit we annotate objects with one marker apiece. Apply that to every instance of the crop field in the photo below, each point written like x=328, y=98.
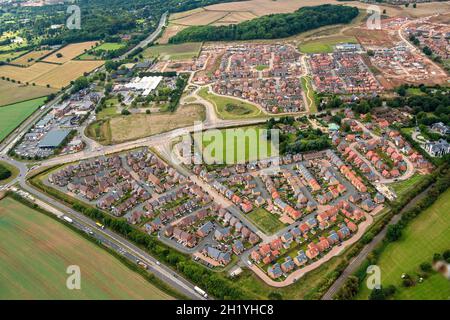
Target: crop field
x=26, y=74
x=229, y=108
x=201, y=18
x=31, y=57
x=36, y=251
x=62, y=75
x=170, y=31
x=70, y=52
x=183, y=51
x=12, y=92
x=238, y=142
x=325, y=45
x=13, y=115
x=422, y=238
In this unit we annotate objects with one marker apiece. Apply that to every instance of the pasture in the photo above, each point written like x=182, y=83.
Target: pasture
x=12, y=92
x=70, y=52
x=36, y=251
x=31, y=57
x=426, y=235
x=183, y=51
x=13, y=115
x=9, y=56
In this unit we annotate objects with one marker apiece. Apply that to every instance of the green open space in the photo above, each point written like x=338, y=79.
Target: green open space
x=5, y=170
x=13, y=115
x=183, y=51
x=229, y=108
x=9, y=56
x=37, y=250
x=266, y=221
x=325, y=45
x=235, y=145
x=310, y=94
x=426, y=235
x=403, y=188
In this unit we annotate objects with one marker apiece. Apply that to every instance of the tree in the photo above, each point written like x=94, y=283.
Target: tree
x=377, y=294
x=427, y=51
x=425, y=267
x=394, y=232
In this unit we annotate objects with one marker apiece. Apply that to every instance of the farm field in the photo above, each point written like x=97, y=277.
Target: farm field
x=62, y=75
x=36, y=251
x=13, y=115
x=183, y=51
x=267, y=222
x=235, y=142
x=31, y=57
x=426, y=235
x=170, y=31
x=26, y=74
x=229, y=108
x=8, y=56
x=325, y=45
x=12, y=92
x=70, y=52
x=109, y=46
x=120, y=128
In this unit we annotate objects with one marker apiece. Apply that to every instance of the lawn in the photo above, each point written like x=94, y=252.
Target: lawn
x=183, y=51
x=109, y=46
x=36, y=251
x=12, y=92
x=246, y=144
x=325, y=45
x=425, y=235
x=229, y=108
x=13, y=115
x=264, y=220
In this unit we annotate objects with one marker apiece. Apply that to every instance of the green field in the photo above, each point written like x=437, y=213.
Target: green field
x=14, y=172
x=264, y=220
x=325, y=45
x=12, y=92
x=13, y=115
x=8, y=56
x=36, y=251
x=229, y=108
x=402, y=188
x=220, y=145
x=310, y=94
x=425, y=235
x=183, y=51
x=109, y=46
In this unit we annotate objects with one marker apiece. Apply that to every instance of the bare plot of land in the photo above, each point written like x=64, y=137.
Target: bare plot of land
x=368, y=38
x=31, y=57
x=62, y=75
x=235, y=18
x=174, y=52
x=70, y=52
x=12, y=92
x=26, y=74
x=170, y=31
x=124, y=128
x=184, y=14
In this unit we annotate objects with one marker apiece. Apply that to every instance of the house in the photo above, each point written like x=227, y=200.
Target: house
x=238, y=247
x=274, y=271
x=205, y=229
x=288, y=265
x=221, y=234
x=301, y=258
x=255, y=256
x=437, y=148
x=223, y=258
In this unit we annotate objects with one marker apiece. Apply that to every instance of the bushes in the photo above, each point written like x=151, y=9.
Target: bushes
x=4, y=173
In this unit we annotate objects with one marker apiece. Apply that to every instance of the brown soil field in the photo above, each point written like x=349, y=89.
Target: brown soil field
x=26, y=74
x=171, y=30
x=235, y=18
x=184, y=14
x=125, y=128
x=62, y=75
x=442, y=18
x=369, y=38
x=70, y=52
x=12, y=92
x=33, y=56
